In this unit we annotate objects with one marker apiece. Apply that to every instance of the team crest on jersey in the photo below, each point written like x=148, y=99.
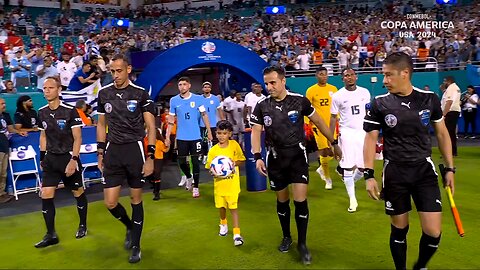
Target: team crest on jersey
x=108, y=107
x=192, y=104
x=44, y=124
x=132, y=105
x=425, y=117
x=4, y=123
x=293, y=116
x=211, y=101
x=391, y=120
x=61, y=124
x=267, y=120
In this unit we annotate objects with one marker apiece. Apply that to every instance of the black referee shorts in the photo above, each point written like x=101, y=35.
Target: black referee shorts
x=54, y=166
x=123, y=161
x=416, y=180
x=189, y=148
x=286, y=166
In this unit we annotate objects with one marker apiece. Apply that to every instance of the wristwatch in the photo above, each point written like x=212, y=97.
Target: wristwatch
x=75, y=157
x=453, y=170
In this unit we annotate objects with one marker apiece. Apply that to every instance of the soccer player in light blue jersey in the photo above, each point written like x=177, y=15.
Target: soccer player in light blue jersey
x=212, y=106
x=188, y=108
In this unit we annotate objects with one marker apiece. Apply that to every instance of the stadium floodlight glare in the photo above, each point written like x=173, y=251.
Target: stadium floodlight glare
x=275, y=10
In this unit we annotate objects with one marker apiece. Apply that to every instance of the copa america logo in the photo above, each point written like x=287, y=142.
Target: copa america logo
x=208, y=47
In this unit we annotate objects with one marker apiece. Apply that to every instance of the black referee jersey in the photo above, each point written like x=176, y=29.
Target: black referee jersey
x=123, y=109
x=283, y=120
x=58, y=125
x=405, y=123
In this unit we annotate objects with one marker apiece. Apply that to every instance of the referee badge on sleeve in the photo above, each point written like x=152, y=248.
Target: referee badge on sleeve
x=132, y=105
x=267, y=120
x=425, y=117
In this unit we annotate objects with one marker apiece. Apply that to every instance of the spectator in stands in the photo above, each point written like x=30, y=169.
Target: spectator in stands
x=20, y=66
x=69, y=46
x=44, y=71
x=317, y=57
x=81, y=79
x=450, y=58
x=422, y=53
x=36, y=58
x=354, y=58
x=66, y=69
x=9, y=87
x=380, y=57
x=303, y=60
x=97, y=67
x=77, y=58
x=81, y=107
x=343, y=58
x=26, y=118
x=5, y=126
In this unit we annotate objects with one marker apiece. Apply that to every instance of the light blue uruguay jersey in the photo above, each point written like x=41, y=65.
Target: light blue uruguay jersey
x=188, y=112
x=211, y=104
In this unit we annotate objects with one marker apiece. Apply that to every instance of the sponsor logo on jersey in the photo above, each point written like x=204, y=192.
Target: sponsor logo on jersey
x=132, y=105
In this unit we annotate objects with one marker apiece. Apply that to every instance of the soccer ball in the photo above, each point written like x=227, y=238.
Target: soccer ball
x=222, y=166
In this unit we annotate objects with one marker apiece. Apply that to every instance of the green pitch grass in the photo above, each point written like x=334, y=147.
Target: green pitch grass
x=182, y=232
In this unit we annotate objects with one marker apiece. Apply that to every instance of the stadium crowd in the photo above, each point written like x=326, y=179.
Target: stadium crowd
x=350, y=36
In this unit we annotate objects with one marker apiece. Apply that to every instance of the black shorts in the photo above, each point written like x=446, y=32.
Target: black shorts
x=189, y=148
x=418, y=181
x=54, y=166
x=286, y=166
x=123, y=161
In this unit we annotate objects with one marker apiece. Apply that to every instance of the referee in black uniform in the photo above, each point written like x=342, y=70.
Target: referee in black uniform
x=61, y=138
x=125, y=108
x=405, y=115
x=281, y=114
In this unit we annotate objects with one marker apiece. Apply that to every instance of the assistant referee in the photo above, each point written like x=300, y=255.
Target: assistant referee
x=405, y=115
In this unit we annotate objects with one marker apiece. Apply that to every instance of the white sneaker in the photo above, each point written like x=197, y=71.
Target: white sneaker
x=223, y=230
x=183, y=180
x=188, y=184
x=237, y=240
x=353, y=206
x=196, y=193
x=320, y=172
x=328, y=184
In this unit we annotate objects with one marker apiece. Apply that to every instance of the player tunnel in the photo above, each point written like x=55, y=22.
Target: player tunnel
x=172, y=62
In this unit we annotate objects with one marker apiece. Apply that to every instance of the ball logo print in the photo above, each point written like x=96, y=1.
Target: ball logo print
x=222, y=166
x=267, y=120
